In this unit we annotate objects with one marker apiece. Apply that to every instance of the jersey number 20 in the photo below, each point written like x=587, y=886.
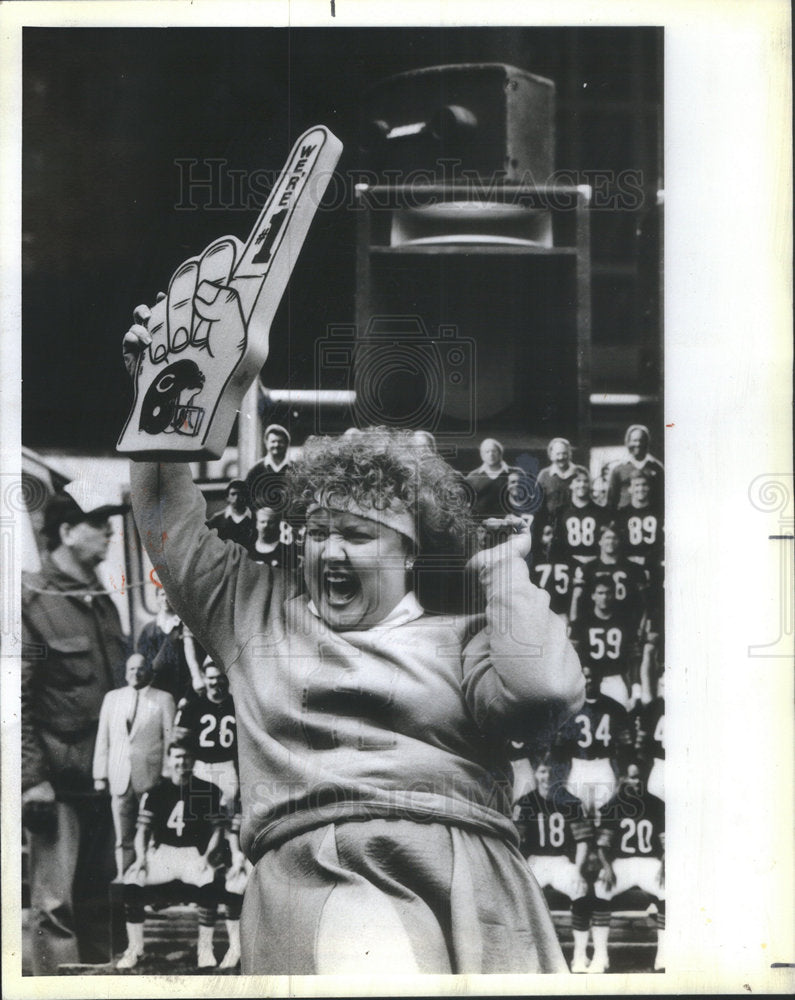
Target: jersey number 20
x=641, y=831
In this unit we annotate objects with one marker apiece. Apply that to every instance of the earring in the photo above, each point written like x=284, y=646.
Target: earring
x=409, y=562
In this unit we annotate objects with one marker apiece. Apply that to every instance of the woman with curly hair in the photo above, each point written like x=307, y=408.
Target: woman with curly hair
x=374, y=775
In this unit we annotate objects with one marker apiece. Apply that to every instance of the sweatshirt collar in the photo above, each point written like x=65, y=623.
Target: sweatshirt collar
x=408, y=609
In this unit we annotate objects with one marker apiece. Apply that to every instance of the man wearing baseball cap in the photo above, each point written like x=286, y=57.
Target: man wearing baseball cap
x=73, y=651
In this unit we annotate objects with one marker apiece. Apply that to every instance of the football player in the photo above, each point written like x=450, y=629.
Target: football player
x=631, y=847
x=641, y=524
x=235, y=876
x=606, y=639
x=210, y=726
x=629, y=580
x=650, y=736
x=578, y=523
x=549, y=570
x=554, y=836
x=180, y=829
x=593, y=741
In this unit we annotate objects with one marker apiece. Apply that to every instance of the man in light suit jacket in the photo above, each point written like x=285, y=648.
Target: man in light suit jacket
x=135, y=725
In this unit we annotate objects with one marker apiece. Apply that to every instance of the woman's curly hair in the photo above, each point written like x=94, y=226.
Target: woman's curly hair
x=380, y=465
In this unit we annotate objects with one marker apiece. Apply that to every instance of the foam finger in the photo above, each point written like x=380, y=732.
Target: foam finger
x=136, y=338
x=215, y=268
x=180, y=306
x=218, y=260
x=269, y=252
x=141, y=314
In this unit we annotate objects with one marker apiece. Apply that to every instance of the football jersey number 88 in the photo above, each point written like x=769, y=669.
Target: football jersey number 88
x=580, y=531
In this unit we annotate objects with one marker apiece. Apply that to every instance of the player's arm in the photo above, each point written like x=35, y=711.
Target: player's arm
x=613, y=489
x=168, y=721
x=604, y=844
x=143, y=835
x=577, y=590
x=233, y=836
x=632, y=656
x=623, y=739
x=141, y=845
x=186, y=721
x=648, y=663
x=581, y=855
x=213, y=843
x=642, y=586
x=189, y=647
x=220, y=825
x=563, y=741
x=522, y=821
x=582, y=830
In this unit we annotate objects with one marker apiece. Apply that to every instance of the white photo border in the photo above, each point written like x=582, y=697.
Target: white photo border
x=728, y=396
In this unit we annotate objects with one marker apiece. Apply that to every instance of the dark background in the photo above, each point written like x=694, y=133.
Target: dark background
x=108, y=112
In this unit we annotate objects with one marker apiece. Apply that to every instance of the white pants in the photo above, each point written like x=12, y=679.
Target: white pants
x=559, y=872
x=643, y=873
x=615, y=687
x=593, y=782
x=168, y=864
x=237, y=883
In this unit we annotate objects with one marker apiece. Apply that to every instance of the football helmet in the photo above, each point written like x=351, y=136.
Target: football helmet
x=168, y=406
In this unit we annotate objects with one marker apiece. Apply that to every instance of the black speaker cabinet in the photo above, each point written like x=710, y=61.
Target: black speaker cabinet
x=470, y=336
x=486, y=120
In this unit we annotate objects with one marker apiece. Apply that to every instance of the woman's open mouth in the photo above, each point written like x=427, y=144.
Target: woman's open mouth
x=339, y=587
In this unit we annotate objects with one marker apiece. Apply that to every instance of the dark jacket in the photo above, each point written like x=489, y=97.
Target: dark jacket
x=73, y=653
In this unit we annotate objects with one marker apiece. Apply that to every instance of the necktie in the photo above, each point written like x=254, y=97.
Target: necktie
x=131, y=716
